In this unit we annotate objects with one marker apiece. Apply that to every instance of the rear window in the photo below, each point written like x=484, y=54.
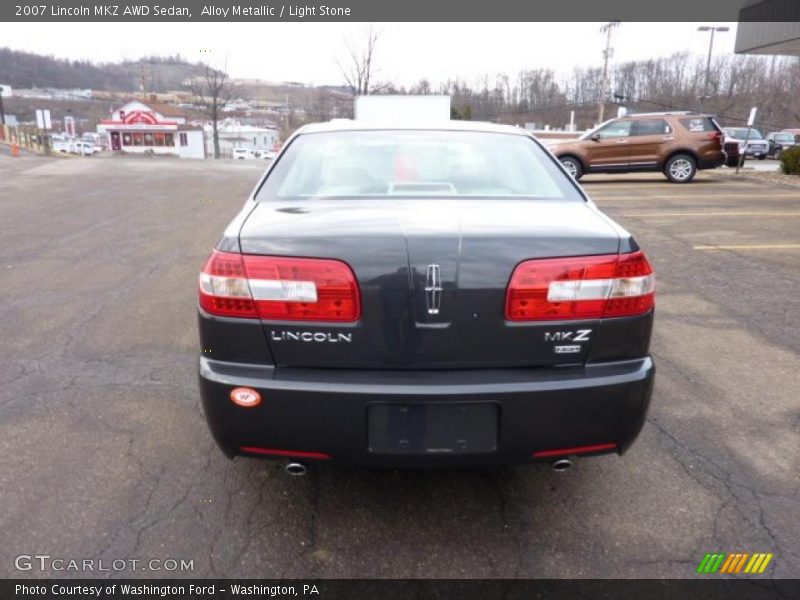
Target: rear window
x=390, y=163
x=699, y=124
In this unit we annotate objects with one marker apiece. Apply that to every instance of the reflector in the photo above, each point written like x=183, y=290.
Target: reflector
x=245, y=397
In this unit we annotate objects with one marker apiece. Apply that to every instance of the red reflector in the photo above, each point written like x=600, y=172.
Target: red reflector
x=576, y=450
x=289, y=453
x=270, y=287
x=585, y=287
x=246, y=397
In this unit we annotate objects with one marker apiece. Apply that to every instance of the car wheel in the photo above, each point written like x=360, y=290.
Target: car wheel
x=777, y=154
x=761, y=157
x=573, y=166
x=680, y=168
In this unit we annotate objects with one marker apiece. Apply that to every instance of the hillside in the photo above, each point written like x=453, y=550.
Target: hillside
x=28, y=70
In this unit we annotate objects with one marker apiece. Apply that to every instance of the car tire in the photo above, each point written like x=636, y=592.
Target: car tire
x=680, y=168
x=761, y=157
x=573, y=166
x=777, y=154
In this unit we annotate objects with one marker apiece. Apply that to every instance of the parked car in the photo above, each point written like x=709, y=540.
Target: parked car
x=269, y=154
x=417, y=297
x=58, y=145
x=242, y=153
x=780, y=141
x=677, y=144
x=84, y=148
x=732, y=154
x=755, y=145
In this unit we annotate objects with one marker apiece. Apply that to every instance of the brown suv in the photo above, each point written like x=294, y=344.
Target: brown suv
x=676, y=144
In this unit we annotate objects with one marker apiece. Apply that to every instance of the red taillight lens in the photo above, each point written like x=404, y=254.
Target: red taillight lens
x=587, y=287
x=223, y=287
x=271, y=287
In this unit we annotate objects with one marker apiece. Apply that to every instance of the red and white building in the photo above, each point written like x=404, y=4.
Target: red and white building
x=152, y=128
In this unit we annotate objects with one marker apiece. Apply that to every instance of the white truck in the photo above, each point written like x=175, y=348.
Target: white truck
x=402, y=108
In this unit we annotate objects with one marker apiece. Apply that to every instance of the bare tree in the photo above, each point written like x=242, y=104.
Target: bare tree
x=358, y=71
x=211, y=89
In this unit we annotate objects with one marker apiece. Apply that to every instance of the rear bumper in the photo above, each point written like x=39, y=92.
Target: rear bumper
x=311, y=414
x=712, y=162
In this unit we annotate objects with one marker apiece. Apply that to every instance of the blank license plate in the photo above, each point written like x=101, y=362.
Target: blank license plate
x=434, y=428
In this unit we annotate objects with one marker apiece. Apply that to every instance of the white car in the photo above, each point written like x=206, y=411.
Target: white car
x=242, y=153
x=756, y=145
x=84, y=148
x=268, y=154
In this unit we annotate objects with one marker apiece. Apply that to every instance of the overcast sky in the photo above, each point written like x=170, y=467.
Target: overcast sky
x=406, y=52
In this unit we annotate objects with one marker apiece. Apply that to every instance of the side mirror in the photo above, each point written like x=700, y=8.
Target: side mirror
x=595, y=137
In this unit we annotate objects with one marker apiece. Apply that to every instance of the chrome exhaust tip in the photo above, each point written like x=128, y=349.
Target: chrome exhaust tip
x=562, y=464
x=296, y=469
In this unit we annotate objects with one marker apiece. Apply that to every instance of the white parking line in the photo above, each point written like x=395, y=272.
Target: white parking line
x=730, y=213
x=751, y=247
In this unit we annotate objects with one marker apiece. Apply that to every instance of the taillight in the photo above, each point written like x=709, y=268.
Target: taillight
x=586, y=287
x=279, y=288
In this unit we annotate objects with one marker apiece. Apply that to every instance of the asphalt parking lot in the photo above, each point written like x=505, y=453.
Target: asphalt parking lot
x=106, y=453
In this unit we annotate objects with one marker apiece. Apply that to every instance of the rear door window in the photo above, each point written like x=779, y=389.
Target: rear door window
x=651, y=127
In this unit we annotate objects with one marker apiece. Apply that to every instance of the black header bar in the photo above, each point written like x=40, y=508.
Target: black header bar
x=399, y=10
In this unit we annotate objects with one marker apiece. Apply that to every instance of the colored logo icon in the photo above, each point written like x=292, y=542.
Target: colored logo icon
x=735, y=563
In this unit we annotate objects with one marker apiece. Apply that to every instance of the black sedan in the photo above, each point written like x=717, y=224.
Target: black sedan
x=434, y=296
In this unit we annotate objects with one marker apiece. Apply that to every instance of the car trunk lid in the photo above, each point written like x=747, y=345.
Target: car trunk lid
x=433, y=275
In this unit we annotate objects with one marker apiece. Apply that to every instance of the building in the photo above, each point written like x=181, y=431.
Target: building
x=769, y=27
x=233, y=134
x=152, y=128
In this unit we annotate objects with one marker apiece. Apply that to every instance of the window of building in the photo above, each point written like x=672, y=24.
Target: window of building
x=126, y=139
x=169, y=139
x=148, y=139
x=159, y=139
x=138, y=139
x=184, y=139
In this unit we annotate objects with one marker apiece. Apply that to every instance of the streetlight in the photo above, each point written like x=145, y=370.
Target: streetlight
x=713, y=30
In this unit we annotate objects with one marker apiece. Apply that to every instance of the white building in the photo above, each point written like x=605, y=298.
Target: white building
x=152, y=128
x=233, y=134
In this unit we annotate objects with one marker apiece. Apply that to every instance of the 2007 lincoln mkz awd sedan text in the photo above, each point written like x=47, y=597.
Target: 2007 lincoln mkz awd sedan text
x=436, y=296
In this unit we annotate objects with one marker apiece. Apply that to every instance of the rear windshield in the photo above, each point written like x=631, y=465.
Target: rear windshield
x=389, y=163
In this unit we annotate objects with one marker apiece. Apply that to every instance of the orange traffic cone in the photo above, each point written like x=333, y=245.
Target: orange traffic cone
x=15, y=149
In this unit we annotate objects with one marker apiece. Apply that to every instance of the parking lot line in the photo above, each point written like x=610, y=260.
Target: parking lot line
x=699, y=196
x=730, y=213
x=750, y=247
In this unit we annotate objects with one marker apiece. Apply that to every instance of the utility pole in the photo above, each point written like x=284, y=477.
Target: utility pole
x=713, y=30
x=601, y=104
x=2, y=110
x=141, y=85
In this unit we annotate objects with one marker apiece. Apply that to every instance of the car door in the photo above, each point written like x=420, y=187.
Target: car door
x=608, y=147
x=647, y=138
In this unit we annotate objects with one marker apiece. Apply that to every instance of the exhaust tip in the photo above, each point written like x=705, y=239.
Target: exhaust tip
x=561, y=465
x=296, y=469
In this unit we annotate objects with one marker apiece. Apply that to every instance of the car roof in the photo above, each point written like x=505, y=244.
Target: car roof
x=677, y=113
x=354, y=125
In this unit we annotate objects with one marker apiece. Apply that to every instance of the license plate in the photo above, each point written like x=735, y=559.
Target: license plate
x=433, y=428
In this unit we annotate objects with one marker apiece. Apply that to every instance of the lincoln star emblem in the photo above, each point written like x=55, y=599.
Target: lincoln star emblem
x=433, y=289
